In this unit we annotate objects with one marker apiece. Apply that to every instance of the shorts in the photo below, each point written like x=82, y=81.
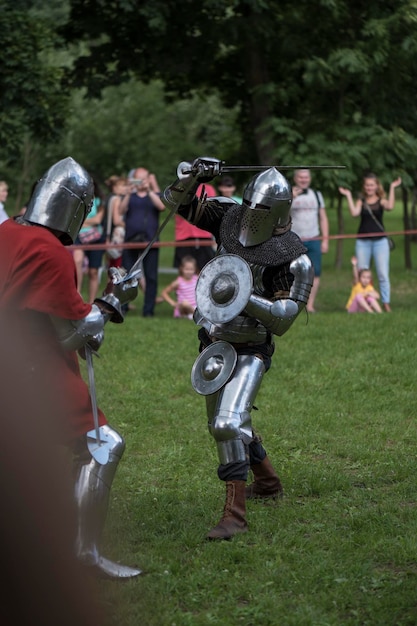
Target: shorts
x=95, y=257
x=314, y=254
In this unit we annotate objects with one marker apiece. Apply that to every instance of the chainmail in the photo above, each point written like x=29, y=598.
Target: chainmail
x=277, y=250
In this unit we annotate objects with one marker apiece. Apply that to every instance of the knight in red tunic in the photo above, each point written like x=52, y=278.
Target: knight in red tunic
x=38, y=293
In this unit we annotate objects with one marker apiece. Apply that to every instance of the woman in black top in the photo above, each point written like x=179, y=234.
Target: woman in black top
x=370, y=206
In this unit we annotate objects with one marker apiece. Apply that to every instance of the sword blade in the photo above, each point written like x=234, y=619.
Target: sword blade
x=135, y=270
x=261, y=168
x=92, y=387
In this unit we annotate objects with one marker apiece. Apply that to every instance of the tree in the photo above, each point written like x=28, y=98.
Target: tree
x=321, y=81
x=32, y=99
x=290, y=81
x=336, y=87
x=129, y=125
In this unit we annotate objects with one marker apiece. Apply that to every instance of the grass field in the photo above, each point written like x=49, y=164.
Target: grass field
x=337, y=412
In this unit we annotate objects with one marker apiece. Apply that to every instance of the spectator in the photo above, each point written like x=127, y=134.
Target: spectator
x=91, y=233
x=370, y=207
x=309, y=221
x=363, y=296
x=227, y=188
x=115, y=224
x=184, y=231
x=184, y=287
x=4, y=192
x=141, y=207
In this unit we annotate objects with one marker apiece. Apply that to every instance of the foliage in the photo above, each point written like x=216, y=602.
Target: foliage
x=32, y=100
x=352, y=74
x=129, y=125
x=132, y=124
x=343, y=91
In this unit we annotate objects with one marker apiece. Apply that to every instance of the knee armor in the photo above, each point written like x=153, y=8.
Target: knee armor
x=229, y=409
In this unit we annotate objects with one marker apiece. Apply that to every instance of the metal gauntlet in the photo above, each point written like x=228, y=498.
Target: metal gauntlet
x=190, y=175
x=117, y=293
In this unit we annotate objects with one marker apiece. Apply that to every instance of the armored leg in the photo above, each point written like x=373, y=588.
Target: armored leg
x=230, y=424
x=228, y=410
x=92, y=491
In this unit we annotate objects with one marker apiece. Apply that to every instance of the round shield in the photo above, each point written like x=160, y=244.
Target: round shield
x=213, y=367
x=223, y=288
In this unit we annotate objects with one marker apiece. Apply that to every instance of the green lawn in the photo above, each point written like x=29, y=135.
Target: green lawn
x=338, y=415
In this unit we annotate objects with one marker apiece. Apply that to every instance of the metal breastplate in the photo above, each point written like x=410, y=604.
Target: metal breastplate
x=257, y=273
x=242, y=329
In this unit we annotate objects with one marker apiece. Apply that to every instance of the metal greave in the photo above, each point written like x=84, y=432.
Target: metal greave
x=228, y=410
x=92, y=491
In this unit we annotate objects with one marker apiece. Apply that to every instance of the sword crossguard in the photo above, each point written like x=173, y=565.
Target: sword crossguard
x=122, y=285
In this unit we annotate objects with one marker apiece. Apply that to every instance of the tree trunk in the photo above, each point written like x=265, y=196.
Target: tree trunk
x=26, y=171
x=257, y=79
x=340, y=231
x=413, y=220
x=407, y=238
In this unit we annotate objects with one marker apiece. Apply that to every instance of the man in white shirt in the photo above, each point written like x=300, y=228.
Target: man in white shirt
x=309, y=221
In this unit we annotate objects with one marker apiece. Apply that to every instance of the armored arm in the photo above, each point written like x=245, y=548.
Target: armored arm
x=278, y=316
x=190, y=175
x=75, y=334
x=303, y=272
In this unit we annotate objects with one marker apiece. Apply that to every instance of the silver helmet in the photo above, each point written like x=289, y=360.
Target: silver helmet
x=266, y=205
x=62, y=199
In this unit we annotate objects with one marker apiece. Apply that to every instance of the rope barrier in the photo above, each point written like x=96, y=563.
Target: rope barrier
x=140, y=246
x=209, y=242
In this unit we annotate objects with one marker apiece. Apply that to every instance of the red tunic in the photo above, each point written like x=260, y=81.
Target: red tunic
x=38, y=279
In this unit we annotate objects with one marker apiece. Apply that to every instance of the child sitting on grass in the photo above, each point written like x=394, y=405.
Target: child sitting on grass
x=363, y=297
x=184, y=287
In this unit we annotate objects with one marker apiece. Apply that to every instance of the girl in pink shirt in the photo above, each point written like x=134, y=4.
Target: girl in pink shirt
x=184, y=287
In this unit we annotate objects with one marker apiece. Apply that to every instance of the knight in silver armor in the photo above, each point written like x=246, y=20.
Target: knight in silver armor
x=254, y=288
x=58, y=207
x=62, y=199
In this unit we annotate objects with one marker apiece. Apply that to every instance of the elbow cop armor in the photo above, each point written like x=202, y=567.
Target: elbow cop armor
x=74, y=334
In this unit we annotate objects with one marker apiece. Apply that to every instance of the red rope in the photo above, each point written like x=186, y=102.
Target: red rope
x=209, y=242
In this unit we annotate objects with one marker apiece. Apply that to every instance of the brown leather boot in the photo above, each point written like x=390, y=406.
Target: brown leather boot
x=266, y=485
x=233, y=520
